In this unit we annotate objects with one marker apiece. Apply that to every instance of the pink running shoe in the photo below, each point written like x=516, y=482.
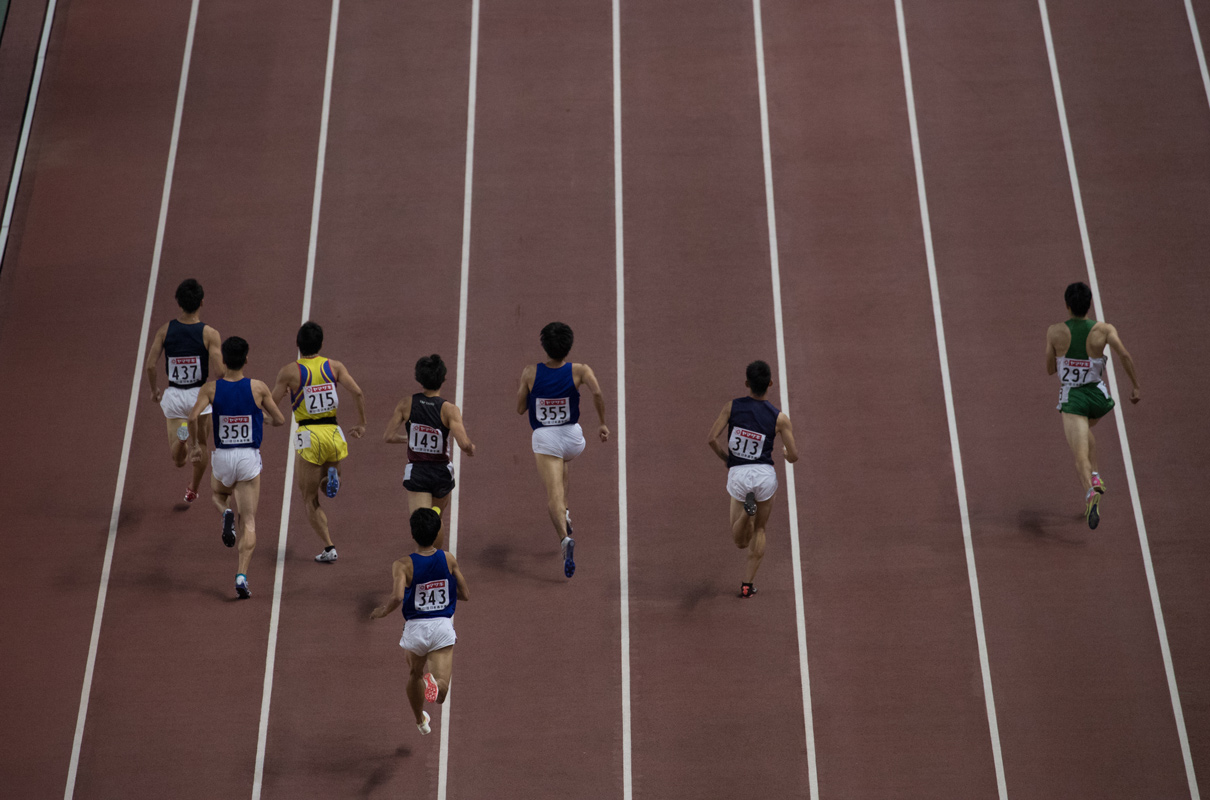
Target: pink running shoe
x=1097, y=485
x=430, y=688
x=190, y=495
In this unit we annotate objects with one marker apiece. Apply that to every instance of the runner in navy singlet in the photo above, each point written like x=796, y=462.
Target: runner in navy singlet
x=190, y=346
x=550, y=394
x=428, y=585
x=431, y=424
x=751, y=423
x=240, y=405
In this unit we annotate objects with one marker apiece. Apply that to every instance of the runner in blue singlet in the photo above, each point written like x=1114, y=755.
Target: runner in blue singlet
x=550, y=394
x=751, y=423
x=239, y=408
x=428, y=585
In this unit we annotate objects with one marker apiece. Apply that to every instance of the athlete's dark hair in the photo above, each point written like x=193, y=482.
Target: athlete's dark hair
x=426, y=524
x=430, y=372
x=557, y=339
x=235, y=352
x=310, y=339
x=1078, y=298
x=759, y=377
x=189, y=295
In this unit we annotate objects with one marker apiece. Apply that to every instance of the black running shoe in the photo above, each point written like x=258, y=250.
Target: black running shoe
x=241, y=589
x=750, y=504
x=229, y=528
x=569, y=556
x=746, y=590
x=1093, y=513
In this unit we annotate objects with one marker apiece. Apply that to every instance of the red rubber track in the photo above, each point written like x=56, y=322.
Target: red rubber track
x=1083, y=705
x=20, y=34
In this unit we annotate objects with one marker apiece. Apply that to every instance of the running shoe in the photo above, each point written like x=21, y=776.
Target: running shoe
x=182, y=433
x=190, y=495
x=750, y=504
x=241, y=587
x=1098, y=484
x=333, y=482
x=229, y=528
x=746, y=590
x=327, y=556
x=423, y=727
x=430, y=688
x=1092, y=511
x=569, y=551
x=567, y=516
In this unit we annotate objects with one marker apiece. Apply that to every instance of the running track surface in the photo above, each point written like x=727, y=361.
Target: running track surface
x=1082, y=701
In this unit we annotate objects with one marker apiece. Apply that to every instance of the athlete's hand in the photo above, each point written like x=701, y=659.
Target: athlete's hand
x=195, y=454
x=603, y=432
x=469, y=450
x=1134, y=395
x=357, y=431
x=157, y=395
x=378, y=613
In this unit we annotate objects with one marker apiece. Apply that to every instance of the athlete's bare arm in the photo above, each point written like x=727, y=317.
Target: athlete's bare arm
x=205, y=396
x=403, y=412
x=464, y=593
x=214, y=346
x=153, y=356
x=786, y=431
x=264, y=399
x=1058, y=337
x=346, y=380
x=451, y=417
x=584, y=376
x=717, y=430
x=1115, y=342
x=287, y=380
x=401, y=577
x=527, y=382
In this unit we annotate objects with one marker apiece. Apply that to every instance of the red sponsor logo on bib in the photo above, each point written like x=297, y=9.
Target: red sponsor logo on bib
x=237, y=420
x=756, y=437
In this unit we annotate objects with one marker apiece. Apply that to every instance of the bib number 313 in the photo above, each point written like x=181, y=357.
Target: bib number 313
x=746, y=444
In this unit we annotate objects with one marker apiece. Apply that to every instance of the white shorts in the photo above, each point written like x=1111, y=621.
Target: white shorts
x=561, y=441
x=177, y=403
x=423, y=636
x=760, y=479
x=230, y=465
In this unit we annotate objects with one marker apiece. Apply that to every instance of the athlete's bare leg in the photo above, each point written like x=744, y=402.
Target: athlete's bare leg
x=441, y=664
x=749, y=532
x=551, y=470
x=1092, y=445
x=415, y=687
x=220, y=495
x=247, y=496
x=176, y=448
x=310, y=476
x=1076, y=429
x=742, y=526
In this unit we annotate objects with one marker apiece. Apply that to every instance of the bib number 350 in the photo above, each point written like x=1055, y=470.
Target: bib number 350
x=235, y=430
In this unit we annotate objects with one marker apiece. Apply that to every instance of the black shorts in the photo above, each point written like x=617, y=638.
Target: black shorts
x=433, y=478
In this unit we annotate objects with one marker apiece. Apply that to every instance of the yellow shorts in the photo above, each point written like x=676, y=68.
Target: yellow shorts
x=321, y=444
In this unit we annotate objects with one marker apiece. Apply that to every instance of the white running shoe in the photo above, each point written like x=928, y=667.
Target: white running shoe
x=423, y=727
x=182, y=433
x=327, y=556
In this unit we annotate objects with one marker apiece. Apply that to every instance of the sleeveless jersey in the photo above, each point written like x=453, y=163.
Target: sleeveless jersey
x=554, y=398
x=185, y=355
x=428, y=439
x=433, y=592
x=315, y=401
x=238, y=420
x=750, y=431
x=1075, y=367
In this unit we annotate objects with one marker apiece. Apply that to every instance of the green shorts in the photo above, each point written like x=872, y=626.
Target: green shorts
x=1091, y=400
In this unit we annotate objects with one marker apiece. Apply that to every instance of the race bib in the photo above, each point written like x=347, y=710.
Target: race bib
x=320, y=399
x=552, y=410
x=302, y=439
x=423, y=439
x=432, y=596
x=746, y=444
x=235, y=430
x=185, y=369
x=1075, y=372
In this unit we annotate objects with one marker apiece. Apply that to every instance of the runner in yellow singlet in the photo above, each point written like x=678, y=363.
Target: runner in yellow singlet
x=319, y=442
x=1075, y=350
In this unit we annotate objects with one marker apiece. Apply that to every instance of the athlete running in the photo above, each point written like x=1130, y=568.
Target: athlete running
x=319, y=443
x=751, y=423
x=189, y=346
x=428, y=584
x=1084, y=397
x=240, y=405
x=550, y=393
x=429, y=422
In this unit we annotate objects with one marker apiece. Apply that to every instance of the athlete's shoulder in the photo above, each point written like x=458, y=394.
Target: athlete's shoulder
x=450, y=561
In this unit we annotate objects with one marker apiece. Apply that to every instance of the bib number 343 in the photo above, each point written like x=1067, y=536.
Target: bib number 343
x=433, y=596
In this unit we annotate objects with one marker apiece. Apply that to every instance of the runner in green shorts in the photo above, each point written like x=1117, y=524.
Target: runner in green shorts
x=1084, y=397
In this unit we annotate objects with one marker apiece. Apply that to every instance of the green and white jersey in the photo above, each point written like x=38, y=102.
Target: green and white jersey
x=1075, y=367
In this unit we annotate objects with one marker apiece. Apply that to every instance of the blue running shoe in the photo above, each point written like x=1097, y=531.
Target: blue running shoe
x=241, y=587
x=333, y=482
x=569, y=551
x=229, y=528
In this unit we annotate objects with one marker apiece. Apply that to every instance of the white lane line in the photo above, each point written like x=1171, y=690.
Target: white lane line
x=30, y=104
x=140, y=354
x=288, y=488
x=620, y=302
x=1197, y=46
x=1099, y=310
x=943, y=354
x=443, y=758
x=775, y=266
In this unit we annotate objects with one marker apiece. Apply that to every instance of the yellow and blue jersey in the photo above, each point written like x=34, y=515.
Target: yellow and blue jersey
x=316, y=395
